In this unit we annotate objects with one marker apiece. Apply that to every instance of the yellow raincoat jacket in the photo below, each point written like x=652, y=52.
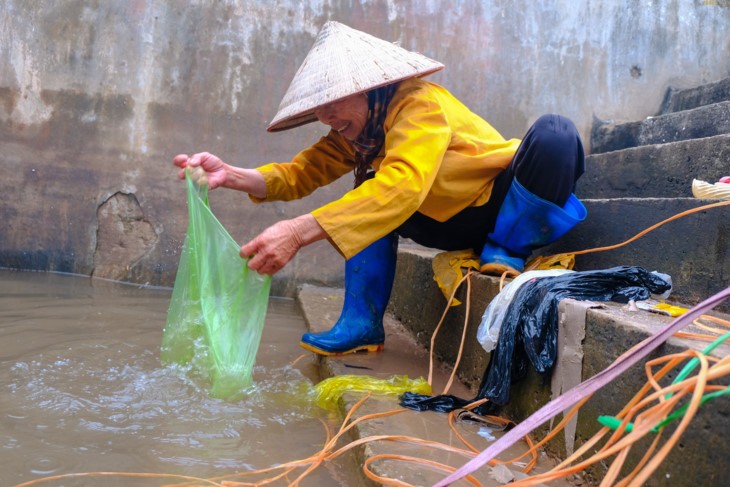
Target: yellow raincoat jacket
x=438, y=158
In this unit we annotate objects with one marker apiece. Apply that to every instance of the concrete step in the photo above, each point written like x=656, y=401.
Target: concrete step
x=693, y=250
x=321, y=308
x=656, y=171
x=679, y=100
x=699, y=459
x=705, y=121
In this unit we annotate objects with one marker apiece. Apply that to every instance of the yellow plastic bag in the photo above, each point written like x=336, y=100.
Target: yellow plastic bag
x=329, y=391
x=447, y=270
x=551, y=262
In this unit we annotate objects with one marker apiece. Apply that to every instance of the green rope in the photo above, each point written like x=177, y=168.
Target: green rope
x=614, y=423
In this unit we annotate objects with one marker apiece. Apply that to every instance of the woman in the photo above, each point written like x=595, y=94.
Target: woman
x=425, y=166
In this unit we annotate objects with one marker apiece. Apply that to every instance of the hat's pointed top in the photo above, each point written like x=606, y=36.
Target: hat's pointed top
x=342, y=62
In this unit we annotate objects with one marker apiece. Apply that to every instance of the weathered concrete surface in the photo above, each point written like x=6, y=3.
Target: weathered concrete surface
x=97, y=97
x=678, y=100
x=655, y=171
x=705, y=121
x=700, y=456
x=693, y=250
x=123, y=237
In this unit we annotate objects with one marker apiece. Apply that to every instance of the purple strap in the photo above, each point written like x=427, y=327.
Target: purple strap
x=561, y=403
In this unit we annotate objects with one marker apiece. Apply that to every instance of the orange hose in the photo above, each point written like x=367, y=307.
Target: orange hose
x=405, y=458
x=463, y=333
x=438, y=327
x=694, y=387
x=536, y=262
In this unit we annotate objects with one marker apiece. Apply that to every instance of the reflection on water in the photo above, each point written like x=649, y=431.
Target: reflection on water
x=82, y=390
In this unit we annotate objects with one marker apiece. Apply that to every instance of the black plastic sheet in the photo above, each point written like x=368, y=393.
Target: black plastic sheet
x=529, y=332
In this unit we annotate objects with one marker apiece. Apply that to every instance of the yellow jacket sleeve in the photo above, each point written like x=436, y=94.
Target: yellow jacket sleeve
x=324, y=162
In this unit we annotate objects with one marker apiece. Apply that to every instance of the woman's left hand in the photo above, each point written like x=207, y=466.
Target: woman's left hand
x=273, y=248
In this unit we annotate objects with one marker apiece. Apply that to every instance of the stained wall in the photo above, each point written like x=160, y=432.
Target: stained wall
x=96, y=97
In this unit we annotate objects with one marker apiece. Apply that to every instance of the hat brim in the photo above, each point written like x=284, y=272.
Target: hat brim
x=308, y=117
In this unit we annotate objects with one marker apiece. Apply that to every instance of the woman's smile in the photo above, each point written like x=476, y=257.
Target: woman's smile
x=347, y=116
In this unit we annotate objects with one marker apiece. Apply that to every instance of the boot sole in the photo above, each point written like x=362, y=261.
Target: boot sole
x=360, y=349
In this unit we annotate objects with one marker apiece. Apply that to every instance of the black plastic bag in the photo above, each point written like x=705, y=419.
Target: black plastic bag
x=529, y=332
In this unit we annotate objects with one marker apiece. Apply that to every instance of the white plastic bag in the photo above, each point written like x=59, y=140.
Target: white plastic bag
x=488, y=331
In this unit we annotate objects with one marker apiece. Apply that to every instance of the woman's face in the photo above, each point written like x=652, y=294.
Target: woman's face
x=346, y=116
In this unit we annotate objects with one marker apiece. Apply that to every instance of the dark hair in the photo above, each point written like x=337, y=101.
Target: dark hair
x=371, y=139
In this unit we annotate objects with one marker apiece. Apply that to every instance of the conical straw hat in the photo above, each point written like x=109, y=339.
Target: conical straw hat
x=343, y=62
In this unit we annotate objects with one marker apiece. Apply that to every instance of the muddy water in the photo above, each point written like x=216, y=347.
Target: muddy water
x=82, y=390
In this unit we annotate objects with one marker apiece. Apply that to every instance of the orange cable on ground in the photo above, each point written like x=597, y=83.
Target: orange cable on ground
x=695, y=336
x=559, y=471
x=294, y=362
x=405, y=458
x=463, y=332
x=504, y=275
x=646, y=420
x=699, y=324
x=533, y=265
x=115, y=474
x=713, y=319
x=438, y=326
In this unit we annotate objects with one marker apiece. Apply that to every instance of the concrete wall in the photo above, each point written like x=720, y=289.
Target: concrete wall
x=96, y=97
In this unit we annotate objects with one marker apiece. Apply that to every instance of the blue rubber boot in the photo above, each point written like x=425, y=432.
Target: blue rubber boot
x=526, y=222
x=368, y=281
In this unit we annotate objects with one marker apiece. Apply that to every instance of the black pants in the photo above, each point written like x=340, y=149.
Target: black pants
x=547, y=163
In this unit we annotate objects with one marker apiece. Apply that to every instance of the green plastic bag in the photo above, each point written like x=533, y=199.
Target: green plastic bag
x=218, y=305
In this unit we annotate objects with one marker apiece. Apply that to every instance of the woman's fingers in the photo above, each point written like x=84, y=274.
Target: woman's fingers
x=180, y=160
x=273, y=248
x=263, y=266
x=263, y=262
x=211, y=165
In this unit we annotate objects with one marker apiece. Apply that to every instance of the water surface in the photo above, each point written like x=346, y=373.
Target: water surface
x=82, y=389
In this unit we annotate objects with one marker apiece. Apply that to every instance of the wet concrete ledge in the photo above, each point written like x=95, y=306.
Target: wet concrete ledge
x=402, y=356
x=416, y=307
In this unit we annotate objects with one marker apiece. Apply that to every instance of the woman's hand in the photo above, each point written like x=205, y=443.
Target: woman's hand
x=271, y=250
x=218, y=173
x=215, y=169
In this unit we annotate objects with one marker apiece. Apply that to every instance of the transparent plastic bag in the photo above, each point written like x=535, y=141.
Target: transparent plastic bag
x=218, y=305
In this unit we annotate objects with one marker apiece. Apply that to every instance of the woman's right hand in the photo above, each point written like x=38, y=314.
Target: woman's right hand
x=215, y=169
